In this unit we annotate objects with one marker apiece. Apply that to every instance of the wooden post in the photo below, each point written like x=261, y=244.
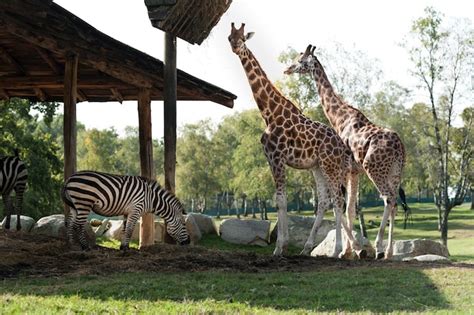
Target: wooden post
x=69, y=123
x=170, y=83
x=147, y=222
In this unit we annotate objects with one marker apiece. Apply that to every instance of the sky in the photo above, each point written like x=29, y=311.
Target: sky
x=373, y=26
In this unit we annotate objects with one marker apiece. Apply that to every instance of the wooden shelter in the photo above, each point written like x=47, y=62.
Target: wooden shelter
x=49, y=54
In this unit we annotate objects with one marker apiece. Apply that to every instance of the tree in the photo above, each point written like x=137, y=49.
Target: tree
x=97, y=150
x=440, y=58
x=22, y=129
x=252, y=175
x=196, y=172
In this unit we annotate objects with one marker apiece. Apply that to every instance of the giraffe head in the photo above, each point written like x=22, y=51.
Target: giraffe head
x=237, y=38
x=304, y=63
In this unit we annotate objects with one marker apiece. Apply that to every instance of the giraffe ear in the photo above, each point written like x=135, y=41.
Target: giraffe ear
x=249, y=35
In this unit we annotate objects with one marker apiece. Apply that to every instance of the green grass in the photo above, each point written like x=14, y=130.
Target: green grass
x=381, y=289
x=354, y=290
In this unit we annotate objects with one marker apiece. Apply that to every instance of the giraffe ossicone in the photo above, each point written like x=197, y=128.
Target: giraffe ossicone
x=292, y=139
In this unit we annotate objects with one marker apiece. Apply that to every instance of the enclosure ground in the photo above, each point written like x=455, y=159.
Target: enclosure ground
x=26, y=255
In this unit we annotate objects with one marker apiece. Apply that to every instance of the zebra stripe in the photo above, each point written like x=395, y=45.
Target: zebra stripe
x=13, y=177
x=112, y=195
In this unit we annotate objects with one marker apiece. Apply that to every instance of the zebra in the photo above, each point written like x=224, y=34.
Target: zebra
x=113, y=195
x=13, y=176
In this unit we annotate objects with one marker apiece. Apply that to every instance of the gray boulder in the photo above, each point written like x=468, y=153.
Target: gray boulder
x=427, y=258
x=205, y=223
x=193, y=229
x=114, y=231
x=53, y=225
x=27, y=223
x=102, y=228
x=326, y=247
x=299, y=228
x=249, y=232
x=417, y=247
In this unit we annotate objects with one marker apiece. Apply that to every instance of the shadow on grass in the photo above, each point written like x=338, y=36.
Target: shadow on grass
x=381, y=289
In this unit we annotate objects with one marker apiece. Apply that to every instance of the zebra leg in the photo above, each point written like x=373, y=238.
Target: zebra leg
x=69, y=222
x=130, y=225
x=79, y=226
x=19, y=205
x=124, y=224
x=7, y=203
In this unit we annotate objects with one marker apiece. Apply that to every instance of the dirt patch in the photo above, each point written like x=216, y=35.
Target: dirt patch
x=23, y=254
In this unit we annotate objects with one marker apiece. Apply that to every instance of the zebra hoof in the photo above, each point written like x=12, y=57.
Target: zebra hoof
x=123, y=248
x=380, y=255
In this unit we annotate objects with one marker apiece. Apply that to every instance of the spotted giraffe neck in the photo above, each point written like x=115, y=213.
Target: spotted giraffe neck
x=334, y=107
x=266, y=95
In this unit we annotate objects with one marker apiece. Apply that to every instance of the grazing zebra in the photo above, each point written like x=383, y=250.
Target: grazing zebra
x=13, y=176
x=113, y=195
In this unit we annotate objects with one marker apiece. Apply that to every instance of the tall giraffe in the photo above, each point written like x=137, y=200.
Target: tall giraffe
x=291, y=139
x=379, y=151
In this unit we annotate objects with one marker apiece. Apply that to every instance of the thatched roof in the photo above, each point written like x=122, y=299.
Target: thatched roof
x=190, y=20
x=37, y=35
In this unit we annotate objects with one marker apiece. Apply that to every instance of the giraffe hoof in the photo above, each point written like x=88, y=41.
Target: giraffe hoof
x=380, y=255
x=362, y=254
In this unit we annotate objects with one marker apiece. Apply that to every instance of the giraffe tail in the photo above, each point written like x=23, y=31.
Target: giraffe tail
x=406, y=208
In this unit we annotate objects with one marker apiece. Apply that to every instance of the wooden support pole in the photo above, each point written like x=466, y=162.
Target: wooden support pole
x=170, y=88
x=69, y=124
x=147, y=223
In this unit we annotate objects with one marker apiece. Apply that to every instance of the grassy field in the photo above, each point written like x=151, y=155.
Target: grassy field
x=365, y=289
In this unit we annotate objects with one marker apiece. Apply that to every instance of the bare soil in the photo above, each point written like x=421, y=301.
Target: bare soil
x=26, y=255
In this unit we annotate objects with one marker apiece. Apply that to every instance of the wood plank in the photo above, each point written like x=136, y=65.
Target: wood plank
x=81, y=96
x=147, y=222
x=169, y=95
x=69, y=127
x=84, y=82
x=49, y=60
x=117, y=95
x=9, y=59
x=40, y=94
x=4, y=94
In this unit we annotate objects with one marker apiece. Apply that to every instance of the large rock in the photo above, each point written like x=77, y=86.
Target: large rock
x=102, y=228
x=53, y=225
x=193, y=229
x=249, y=232
x=114, y=231
x=26, y=223
x=326, y=247
x=299, y=228
x=418, y=247
x=427, y=258
x=205, y=223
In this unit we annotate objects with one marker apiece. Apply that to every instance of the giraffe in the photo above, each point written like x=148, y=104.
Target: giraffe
x=291, y=139
x=378, y=151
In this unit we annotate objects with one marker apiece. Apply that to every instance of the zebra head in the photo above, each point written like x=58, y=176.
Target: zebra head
x=176, y=227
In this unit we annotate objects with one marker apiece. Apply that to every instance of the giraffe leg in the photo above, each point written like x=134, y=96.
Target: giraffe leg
x=338, y=204
x=389, y=202
x=351, y=242
x=323, y=205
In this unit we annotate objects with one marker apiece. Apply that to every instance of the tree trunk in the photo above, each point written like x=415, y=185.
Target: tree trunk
x=253, y=208
x=265, y=212
x=444, y=227
x=360, y=216
x=192, y=204
x=298, y=202
x=218, y=214
x=472, y=198
x=244, y=205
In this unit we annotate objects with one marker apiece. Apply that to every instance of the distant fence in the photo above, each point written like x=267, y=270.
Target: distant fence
x=305, y=207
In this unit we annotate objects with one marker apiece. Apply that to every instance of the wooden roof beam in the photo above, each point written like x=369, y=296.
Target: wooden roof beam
x=81, y=97
x=4, y=94
x=40, y=94
x=22, y=82
x=9, y=59
x=117, y=95
x=49, y=60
